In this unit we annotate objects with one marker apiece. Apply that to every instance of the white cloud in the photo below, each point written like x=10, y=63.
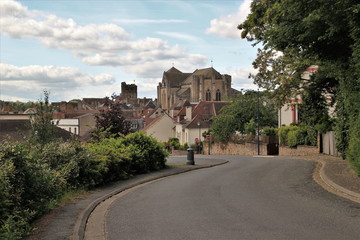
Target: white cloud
x=128, y=20
x=240, y=78
x=52, y=74
x=181, y=36
x=32, y=80
x=226, y=26
x=96, y=44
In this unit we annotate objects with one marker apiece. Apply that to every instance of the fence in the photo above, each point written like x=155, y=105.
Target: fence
x=328, y=144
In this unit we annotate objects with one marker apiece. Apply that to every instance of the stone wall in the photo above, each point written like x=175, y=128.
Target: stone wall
x=247, y=149
x=178, y=152
x=300, y=150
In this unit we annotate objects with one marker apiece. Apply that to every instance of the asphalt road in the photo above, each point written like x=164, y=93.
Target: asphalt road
x=247, y=198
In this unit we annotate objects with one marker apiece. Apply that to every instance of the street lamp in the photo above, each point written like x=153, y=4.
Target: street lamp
x=199, y=149
x=258, y=122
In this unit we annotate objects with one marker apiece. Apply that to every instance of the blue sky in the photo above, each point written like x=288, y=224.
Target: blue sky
x=78, y=49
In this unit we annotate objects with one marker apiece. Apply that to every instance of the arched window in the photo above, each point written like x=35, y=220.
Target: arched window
x=208, y=95
x=218, y=95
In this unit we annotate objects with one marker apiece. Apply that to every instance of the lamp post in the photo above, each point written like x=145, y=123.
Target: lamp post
x=258, y=122
x=199, y=149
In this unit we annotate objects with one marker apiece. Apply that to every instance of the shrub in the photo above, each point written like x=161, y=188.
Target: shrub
x=298, y=135
x=292, y=138
x=111, y=162
x=28, y=189
x=283, y=133
x=146, y=153
x=353, y=152
x=269, y=131
x=250, y=127
x=174, y=142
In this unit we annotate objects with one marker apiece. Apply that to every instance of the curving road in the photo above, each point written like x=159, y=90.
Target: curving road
x=247, y=198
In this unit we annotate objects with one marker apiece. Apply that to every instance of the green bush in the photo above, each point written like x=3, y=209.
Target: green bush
x=269, y=131
x=298, y=135
x=146, y=153
x=174, y=142
x=33, y=176
x=250, y=127
x=353, y=152
x=292, y=138
x=283, y=133
x=111, y=160
x=28, y=189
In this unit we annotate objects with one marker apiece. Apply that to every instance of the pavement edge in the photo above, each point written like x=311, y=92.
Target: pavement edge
x=321, y=178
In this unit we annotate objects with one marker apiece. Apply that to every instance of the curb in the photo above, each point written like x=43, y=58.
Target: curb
x=78, y=232
x=344, y=192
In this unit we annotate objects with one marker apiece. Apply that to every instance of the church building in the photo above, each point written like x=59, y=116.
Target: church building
x=202, y=85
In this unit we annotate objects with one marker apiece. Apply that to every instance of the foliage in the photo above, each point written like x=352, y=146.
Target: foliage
x=247, y=106
x=283, y=133
x=223, y=127
x=251, y=127
x=174, y=142
x=314, y=108
x=28, y=189
x=292, y=138
x=111, y=118
x=22, y=106
x=297, y=34
x=353, y=151
x=34, y=176
x=112, y=162
x=269, y=131
x=42, y=127
x=298, y=135
x=146, y=153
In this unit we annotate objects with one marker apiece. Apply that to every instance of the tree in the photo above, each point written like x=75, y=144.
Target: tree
x=240, y=112
x=111, y=119
x=297, y=33
x=42, y=127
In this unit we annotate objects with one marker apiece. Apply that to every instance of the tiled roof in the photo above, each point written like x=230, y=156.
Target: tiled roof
x=16, y=130
x=175, y=79
x=180, y=104
x=203, y=111
x=173, y=70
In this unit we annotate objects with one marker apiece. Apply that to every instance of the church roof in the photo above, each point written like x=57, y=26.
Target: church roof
x=183, y=93
x=173, y=70
x=175, y=79
x=206, y=72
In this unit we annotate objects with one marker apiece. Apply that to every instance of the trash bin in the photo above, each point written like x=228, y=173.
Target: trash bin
x=190, y=157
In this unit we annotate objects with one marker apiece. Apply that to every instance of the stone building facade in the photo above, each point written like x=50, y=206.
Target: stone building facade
x=202, y=85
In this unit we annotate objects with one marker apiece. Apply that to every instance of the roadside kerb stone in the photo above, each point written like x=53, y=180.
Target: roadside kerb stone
x=351, y=195
x=80, y=224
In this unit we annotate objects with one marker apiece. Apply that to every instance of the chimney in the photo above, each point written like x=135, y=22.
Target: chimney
x=188, y=113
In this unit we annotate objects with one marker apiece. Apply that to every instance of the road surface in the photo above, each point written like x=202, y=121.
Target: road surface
x=247, y=198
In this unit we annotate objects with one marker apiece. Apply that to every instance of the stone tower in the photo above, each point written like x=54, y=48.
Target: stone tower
x=128, y=91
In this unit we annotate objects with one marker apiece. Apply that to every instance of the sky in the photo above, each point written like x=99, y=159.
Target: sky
x=80, y=49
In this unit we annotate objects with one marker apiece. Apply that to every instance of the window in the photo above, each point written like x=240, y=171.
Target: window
x=208, y=95
x=218, y=95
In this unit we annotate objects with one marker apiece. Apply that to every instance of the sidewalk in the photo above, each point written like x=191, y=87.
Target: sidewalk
x=68, y=221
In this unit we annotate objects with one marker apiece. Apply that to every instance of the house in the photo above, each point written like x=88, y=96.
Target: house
x=195, y=119
x=160, y=128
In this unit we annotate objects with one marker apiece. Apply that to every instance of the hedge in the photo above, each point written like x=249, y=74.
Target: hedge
x=34, y=177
